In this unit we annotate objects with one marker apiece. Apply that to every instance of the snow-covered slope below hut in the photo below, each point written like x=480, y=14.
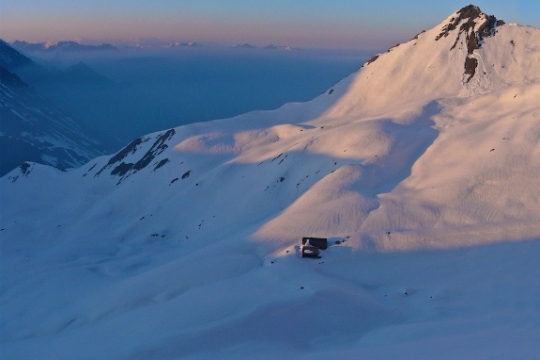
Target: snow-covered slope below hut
x=184, y=245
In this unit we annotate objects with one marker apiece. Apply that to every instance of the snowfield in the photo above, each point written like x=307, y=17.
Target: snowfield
x=185, y=244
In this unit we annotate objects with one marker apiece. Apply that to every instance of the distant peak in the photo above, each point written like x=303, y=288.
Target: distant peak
x=470, y=11
x=244, y=46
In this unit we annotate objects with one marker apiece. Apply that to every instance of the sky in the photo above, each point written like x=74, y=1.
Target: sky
x=351, y=24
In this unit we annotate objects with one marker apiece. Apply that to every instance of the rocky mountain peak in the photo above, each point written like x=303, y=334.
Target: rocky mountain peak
x=474, y=25
x=471, y=20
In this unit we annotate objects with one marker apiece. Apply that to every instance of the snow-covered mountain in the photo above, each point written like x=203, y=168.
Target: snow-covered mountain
x=33, y=130
x=421, y=169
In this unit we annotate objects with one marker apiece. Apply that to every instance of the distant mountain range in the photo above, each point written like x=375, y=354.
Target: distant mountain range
x=60, y=46
x=268, y=47
x=152, y=43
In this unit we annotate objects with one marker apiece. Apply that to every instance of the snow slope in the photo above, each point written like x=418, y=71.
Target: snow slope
x=184, y=245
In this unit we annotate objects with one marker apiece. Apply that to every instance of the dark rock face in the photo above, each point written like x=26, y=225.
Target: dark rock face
x=161, y=163
x=466, y=16
x=186, y=174
x=130, y=149
x=470, y=67
x=24, y=170
x=476, y=26
x=122, y=168
x=372, y=59
x=418, y=35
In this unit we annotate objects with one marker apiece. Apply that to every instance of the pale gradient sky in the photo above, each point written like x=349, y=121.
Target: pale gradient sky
x=302, y=23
